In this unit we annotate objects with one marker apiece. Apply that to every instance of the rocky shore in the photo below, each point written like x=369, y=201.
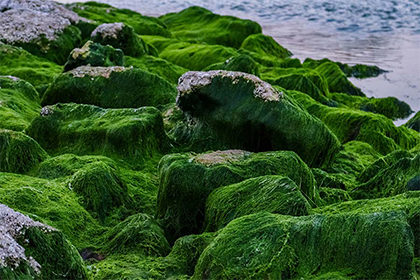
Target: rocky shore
x=193, y=146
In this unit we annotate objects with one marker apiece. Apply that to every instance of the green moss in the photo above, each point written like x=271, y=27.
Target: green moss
x=241, y=63
x=331, y=196
x=19, y=153
x=414, y=122
x=110, y=87
x=52, y=202
x=348, y=125
x=19, y=63
x=138, y=234
x=197, y=24
x=337, y=80
x=94, y=54
x=390, y=107
x=274, y=194
x=264, y=48
x=19, y=103
x=233, y=110
x=359, y=71
x=271, y=246
x=135, y=135
x=187, y=180
x=103, y=13
x=157, y=66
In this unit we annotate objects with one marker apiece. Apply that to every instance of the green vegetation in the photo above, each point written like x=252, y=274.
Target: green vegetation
x=241, y=63
x=414, y=122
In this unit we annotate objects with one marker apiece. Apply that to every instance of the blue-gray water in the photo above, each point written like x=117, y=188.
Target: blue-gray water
x=385, y=33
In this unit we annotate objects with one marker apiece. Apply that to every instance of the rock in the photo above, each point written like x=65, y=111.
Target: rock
x=186, y=180
x=19, y=103
x=120, y=36
x=30, y=249
x=414, y=122
x=138, y=234
x=43, y=34
x=272, y=246
x=274, y=194
x=110, y=87
x=241, y=63
x=94, y=54
x=414, y=183
x=234, y=110
x=19, y=153
x=135, y=135
x=200, y=25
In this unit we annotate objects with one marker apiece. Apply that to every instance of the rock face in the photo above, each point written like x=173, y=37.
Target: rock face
x=94, y=54
x=187, y=180
x=119, y=36
x=110, y=87
x=41, y=27
x=243, y=112
x=30, y=249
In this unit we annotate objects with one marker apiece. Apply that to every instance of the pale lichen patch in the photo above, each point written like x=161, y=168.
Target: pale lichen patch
x=108, y=30
x=105, y=72
x=219, y=157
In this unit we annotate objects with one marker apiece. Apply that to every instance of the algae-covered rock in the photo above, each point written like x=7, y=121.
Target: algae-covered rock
x=94, y=54
x=120, y=36
x=30, y=249
x=264, y=48
x=138, y=234
x=110, y=87
x=187, y=180
x=414, y=122
x=19, y=103
x=46, y=34
x=197, y=24
x=19, y=63
x=19, y=153
x=241, y=63
x=133, y=134
x=103, y=13
x=234, y=110
x=271, y=246
x=274, y=194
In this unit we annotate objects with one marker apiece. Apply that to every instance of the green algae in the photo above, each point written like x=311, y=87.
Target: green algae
x=94, y=54
x=241, y=63
x=414, y=122
x=331, y=195
x=136, y=135
x=196, y=24
x=19, y=63
x=271, y=246
x=19, y=103
x=110, y=87
x=274, y=194
x=192, y=178
x=19, y=153
x=103, y=13
x=157, y=66
x=264, y=48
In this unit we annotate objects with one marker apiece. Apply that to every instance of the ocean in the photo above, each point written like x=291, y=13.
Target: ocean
x=385, y=33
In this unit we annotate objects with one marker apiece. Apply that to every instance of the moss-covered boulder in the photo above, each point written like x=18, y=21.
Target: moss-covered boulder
x=197, y=24
x=234, y=110
x=414, y=122
x=264, y=49
x=133, y=134
x=34, y=250
x=47, y=35
x=19, y=153
x=271, y=246
x=110, y=87
x=19, y=103
x=120, y=36
x=240, y=63
x=94, y=54
x=186, y=180
x=274, y=194
x=19, y=63
x=138, y=234
x=103, y=13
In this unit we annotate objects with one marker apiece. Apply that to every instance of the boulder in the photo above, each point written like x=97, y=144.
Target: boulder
x=186, y=181
x=234, y=110
x=94, y=54
x=241, y=63
x=414, y=122
x=110, y=87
